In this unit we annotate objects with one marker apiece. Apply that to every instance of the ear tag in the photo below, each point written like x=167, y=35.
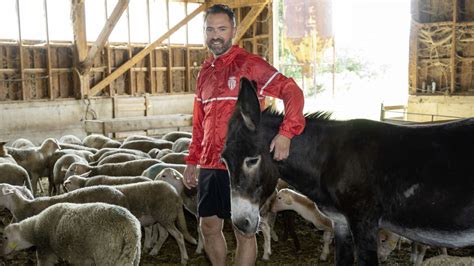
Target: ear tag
x=12, y=245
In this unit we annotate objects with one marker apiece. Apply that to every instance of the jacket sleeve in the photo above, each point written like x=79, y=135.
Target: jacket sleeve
x=195, y=147
x=272, y=83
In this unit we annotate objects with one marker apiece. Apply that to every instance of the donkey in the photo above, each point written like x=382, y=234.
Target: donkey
x=416, y=181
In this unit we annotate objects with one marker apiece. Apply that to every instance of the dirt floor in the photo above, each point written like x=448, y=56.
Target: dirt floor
x=284, y=252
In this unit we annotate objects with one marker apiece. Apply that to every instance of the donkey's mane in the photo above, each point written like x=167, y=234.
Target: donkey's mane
x=318, y=115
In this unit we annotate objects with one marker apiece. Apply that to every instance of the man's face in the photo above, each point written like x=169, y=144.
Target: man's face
x=218, y=32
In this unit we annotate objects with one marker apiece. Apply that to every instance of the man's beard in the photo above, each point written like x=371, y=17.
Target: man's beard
x=218, y=47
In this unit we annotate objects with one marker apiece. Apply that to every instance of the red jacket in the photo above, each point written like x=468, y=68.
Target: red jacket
x=216, y=94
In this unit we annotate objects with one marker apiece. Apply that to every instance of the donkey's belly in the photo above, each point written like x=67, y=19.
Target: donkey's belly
x=433, y=237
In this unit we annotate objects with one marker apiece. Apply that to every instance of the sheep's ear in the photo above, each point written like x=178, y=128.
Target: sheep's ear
x=7, y=191
x=248, y=104
x=86, y=174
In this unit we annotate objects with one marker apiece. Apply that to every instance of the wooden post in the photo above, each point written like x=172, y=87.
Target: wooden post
x=151, y=80
x=131, y=88
x=104, y=34
x=187, y=75
x=48, y=54
x=249, y=20
x=169, y=75
x=140, y=55
x=108, y=59
x=80, y=42
x=453, y=47
x=24, y=95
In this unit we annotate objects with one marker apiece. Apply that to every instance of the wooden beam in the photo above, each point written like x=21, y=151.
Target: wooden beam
x=249, y=20
x=104, y=34
x=140, y=55
x=24, y=96
x=237, y=3
x=48, y=54
x=454, y=47
x=80, y=43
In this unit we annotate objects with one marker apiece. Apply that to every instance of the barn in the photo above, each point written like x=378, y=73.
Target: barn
x=80, y=78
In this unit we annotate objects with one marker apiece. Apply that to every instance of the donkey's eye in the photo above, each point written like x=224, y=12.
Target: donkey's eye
x=252, y=161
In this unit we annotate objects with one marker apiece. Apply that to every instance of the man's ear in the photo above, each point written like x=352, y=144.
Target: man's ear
x=248, y=104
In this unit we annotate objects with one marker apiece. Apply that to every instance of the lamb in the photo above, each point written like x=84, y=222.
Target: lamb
x=22, y=208
x=15, y=175
x=22, y=143
x=288, y=199
x=163, y=152
x=132, y=168
x=59, y=171
x=102, y=153
x=448, y=260
x=181, y=144
x=120, y=158
x=4, y=156
x=138, y=137
x=22, y=190
x=157, y=202
x=147, y=145
x=92, y=234
x=77, y=147
x=70, y=139
x=153, y=170
x=189, y=197
x=176, y=158
x=174, y=135
x=35, y=160
x=99, y=141
x=76, y=181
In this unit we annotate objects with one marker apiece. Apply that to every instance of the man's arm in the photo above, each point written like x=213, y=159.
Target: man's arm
x=195, y=148
x=272, y=83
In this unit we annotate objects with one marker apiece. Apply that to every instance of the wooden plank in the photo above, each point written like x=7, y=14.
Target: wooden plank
x=98, y=45
x=139, y=56
x=48, y=53
x=80, y=42
x=238, y=3
x=107, y=126
x=24, y=94
x=249, y=20
x=413, y=60
x=454, y=47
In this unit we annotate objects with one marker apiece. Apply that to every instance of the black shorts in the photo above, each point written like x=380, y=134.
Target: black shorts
x=214, y=193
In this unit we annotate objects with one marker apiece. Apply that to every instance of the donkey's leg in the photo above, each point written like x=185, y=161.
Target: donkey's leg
x=344, y=246
x=365, y=233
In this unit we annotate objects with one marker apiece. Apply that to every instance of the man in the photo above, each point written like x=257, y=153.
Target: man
x=216, y=95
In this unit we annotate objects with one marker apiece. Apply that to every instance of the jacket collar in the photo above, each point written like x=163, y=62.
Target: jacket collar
x=224, y=59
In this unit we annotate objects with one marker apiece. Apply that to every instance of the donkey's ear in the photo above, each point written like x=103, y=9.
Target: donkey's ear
x=248, y=104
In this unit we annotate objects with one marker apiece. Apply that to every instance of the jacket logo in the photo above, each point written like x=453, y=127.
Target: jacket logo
x=232, y=83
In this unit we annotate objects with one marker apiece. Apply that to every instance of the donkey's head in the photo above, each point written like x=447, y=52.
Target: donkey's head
x=252, y=172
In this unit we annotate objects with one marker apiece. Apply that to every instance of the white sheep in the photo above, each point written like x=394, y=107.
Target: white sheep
x=99, y=141
x=174, y=135
x=4, y=156
x=35, y=160
x=76, y=181
x=189, y=197
x=132, y=168
x=22, y=143
x=174, y=157
x=157, y=202
x=120, y=158
x=83, y=234
x=147, y=145
x=60, y=169
x=15, y=175
x=70, y=139
x=22, y=208
x=181, y=144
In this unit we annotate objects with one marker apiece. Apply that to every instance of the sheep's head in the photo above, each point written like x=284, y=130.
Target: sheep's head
x=283, y=200
x=78, y=169
x=13, y=240
x=75, y=182
x=49, y=146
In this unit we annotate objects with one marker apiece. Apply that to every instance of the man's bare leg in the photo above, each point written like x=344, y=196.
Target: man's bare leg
x=246, y=249
x=214, y=241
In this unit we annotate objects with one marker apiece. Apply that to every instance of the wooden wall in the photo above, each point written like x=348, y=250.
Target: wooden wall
x=169, y=69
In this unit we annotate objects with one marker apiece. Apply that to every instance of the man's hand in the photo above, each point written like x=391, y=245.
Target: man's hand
x=281, y=145
x=189, y=178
